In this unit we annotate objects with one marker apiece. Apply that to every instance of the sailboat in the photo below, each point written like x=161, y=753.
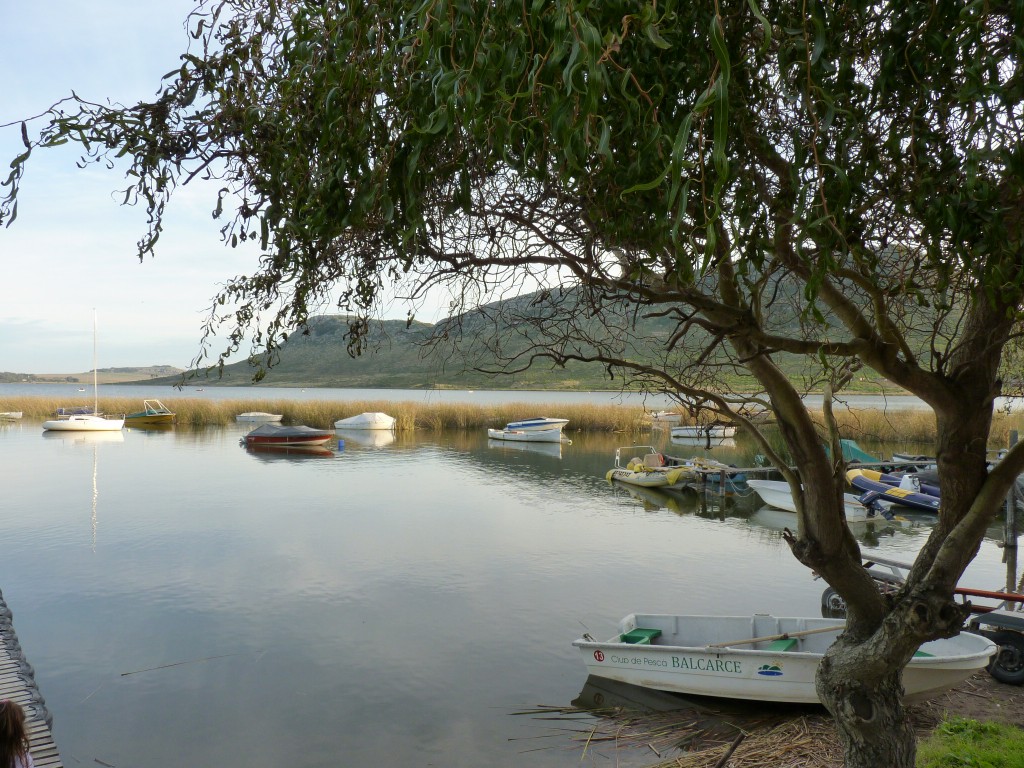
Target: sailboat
x=86, y=422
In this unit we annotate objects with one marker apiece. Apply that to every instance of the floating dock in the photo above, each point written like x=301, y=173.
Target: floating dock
x=18, y=683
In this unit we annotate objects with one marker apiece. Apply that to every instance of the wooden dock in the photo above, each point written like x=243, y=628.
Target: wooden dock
x=18, y=683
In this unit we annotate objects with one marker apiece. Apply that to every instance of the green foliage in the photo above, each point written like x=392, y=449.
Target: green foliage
x=962, y=743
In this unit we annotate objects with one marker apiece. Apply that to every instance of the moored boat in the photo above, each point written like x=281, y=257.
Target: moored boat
x=703, y=432
x=536, y=423
x=647, y=469
x=866, y=480
x=10, y=415
x=666, y=418
x=153, y=413
x=83, y=418
x=777, y=493
x=369, y=420
x=553, y=435
x=83, y=422
x=759, y=657
x=278, y=435
x=254, y=417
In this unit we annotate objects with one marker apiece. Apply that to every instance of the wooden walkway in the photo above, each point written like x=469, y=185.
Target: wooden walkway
x=18, y=683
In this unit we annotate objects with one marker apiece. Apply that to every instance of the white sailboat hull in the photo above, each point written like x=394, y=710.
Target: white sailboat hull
x=83, y=423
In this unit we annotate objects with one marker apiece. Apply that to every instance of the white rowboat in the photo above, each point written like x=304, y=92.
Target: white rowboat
x=776, y=493
x=758, y=658
x=703, y=432
x=253, y=417
x=535, y=424
x=553, y=435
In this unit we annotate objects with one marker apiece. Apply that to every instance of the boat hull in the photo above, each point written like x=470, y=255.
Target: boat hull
x=777, y=494
x=153, y=414
x=276, y=435
x=535, y=424
x=681, y=660
x=367, y=421
x=862, y=481
x=553, y=435
x=699, y=432
x=83, y=423
x=254, y=417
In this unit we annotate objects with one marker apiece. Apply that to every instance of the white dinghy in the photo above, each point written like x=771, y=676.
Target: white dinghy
x=759, y=657
x=777, y=493
x=369, y=420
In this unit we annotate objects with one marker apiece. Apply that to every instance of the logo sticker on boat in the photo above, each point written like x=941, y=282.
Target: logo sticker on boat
x=599, y=654
x=770, y=670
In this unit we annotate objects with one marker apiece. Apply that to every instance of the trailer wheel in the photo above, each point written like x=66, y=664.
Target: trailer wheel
x=1007, y=666
x=832, y=604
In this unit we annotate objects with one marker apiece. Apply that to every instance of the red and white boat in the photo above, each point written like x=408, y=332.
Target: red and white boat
x=275, y=434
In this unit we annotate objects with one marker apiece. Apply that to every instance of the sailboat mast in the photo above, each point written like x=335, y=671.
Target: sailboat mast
x=95, y=377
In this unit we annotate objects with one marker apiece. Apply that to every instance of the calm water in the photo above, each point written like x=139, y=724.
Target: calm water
x=187, y=602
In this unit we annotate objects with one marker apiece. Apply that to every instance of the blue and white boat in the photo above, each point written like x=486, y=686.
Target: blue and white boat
x=868, y=481
x=535, y=424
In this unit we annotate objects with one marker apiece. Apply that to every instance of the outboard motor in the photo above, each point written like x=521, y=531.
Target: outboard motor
x=872, y=500
x=910, y=482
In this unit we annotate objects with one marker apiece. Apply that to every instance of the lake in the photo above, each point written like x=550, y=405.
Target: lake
x=185, y=601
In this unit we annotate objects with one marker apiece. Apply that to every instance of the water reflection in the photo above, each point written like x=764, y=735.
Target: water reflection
x=289, y=452
x=546, y=449
x=350, y=592
x=370, y=438
x=84, y=438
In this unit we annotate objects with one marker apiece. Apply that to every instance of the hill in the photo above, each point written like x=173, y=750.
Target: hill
x=103, y=376
x=399, y=356
x=396, y=357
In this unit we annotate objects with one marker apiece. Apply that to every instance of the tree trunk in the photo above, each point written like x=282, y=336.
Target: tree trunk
x=867, y=703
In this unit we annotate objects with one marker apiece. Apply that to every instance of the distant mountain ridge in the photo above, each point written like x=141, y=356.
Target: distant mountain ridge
x=396, y=357
x=122, y=375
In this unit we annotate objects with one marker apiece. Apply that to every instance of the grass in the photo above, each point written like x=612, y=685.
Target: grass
x=900, y=426
x=961, y=743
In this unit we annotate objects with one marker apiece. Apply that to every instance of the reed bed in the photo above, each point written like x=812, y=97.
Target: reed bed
x=886, y=426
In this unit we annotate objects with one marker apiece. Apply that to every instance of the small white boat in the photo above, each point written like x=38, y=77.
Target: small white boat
x=10, y=415
x=703, y=432
x=255, y=417
x=777, y=493
x=759, y=657
x=280, y=436
x=535, y=424
x=553, y=435
x=665, y=418
x=366, y=421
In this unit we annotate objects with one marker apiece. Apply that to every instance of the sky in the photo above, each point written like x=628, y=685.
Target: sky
x=72, y=250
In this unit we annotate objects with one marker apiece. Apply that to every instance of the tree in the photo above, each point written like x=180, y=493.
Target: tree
x=836, y=183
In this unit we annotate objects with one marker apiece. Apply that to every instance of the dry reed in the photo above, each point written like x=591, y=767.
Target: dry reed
x=886, y=426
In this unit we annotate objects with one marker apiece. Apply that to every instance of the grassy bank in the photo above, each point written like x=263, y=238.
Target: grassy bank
x=902, y=426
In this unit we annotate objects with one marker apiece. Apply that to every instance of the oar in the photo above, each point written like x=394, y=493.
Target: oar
x=783, y=636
